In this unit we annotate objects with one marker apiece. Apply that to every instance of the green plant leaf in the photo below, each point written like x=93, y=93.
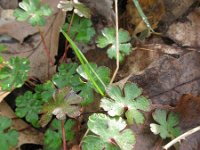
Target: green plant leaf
x=97, y=144
x=65, y=76
x=102, y=72
x=3, y=48
x=8, y=137
x=53, y=135
x=167, y=126
x=14, y=73
x=32, y=11
x=65, y=102
x=45, y=91
x=81, y=30
x=29, y=106
x=108, y=38
x=130, y=103
x=79, y=8
x=110, y=131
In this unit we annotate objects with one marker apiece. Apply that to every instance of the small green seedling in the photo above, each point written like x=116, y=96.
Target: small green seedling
x=81, y=30
x=167, y=126
x=110, y=134
x=79, y=8
x=53, y=135
x=33, y=11
x=29, y=106
x=13, y=73
x=66, y=76
x=130, y=103
x=45, y=91
x=8, y=136
x=108, y=39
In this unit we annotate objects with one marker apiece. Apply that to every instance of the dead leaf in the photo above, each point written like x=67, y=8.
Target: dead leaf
x=27, y=134
x=3, y=94
x=188, y=108
x=186, y=33
x=9, y=4
x=175, y=9
x=102, y=8
x=168, y=78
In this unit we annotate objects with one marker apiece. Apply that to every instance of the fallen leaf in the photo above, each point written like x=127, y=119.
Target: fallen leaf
x=3, y=94
x=188, y=108
x=186, y=33
x=9, y=4
x=175, y=8
x=168, y=78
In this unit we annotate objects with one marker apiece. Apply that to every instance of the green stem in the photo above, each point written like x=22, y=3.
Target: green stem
x=143, y=16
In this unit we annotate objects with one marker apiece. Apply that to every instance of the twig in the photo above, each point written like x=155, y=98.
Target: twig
x=117, y=42
x=181, y=137
x=45, y=47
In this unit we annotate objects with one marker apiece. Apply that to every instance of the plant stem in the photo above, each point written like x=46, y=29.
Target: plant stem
x=63, y=135
x=66, y=43
x=87, y=131
x=45, y=47
x=117, y=42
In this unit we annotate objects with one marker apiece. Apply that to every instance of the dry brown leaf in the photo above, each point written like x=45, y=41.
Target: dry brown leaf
x=33, y=48
x=27, y=134
x=188, y=108
x=9, y=4
x=101, y=7
x=168, y=78
x=3, y=94
x=175, y=9
x=186, y=33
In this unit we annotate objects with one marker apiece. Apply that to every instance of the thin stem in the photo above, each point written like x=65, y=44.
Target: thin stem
x=45, y=47
x=63, y=135
x=181, y=137
x=117, y=42
x=87, y=131
x=68, y=30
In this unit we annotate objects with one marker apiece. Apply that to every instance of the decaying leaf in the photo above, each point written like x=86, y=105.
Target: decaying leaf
x=79, y=8
x=186, y=33
x=103, y=8
x=168, y=78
